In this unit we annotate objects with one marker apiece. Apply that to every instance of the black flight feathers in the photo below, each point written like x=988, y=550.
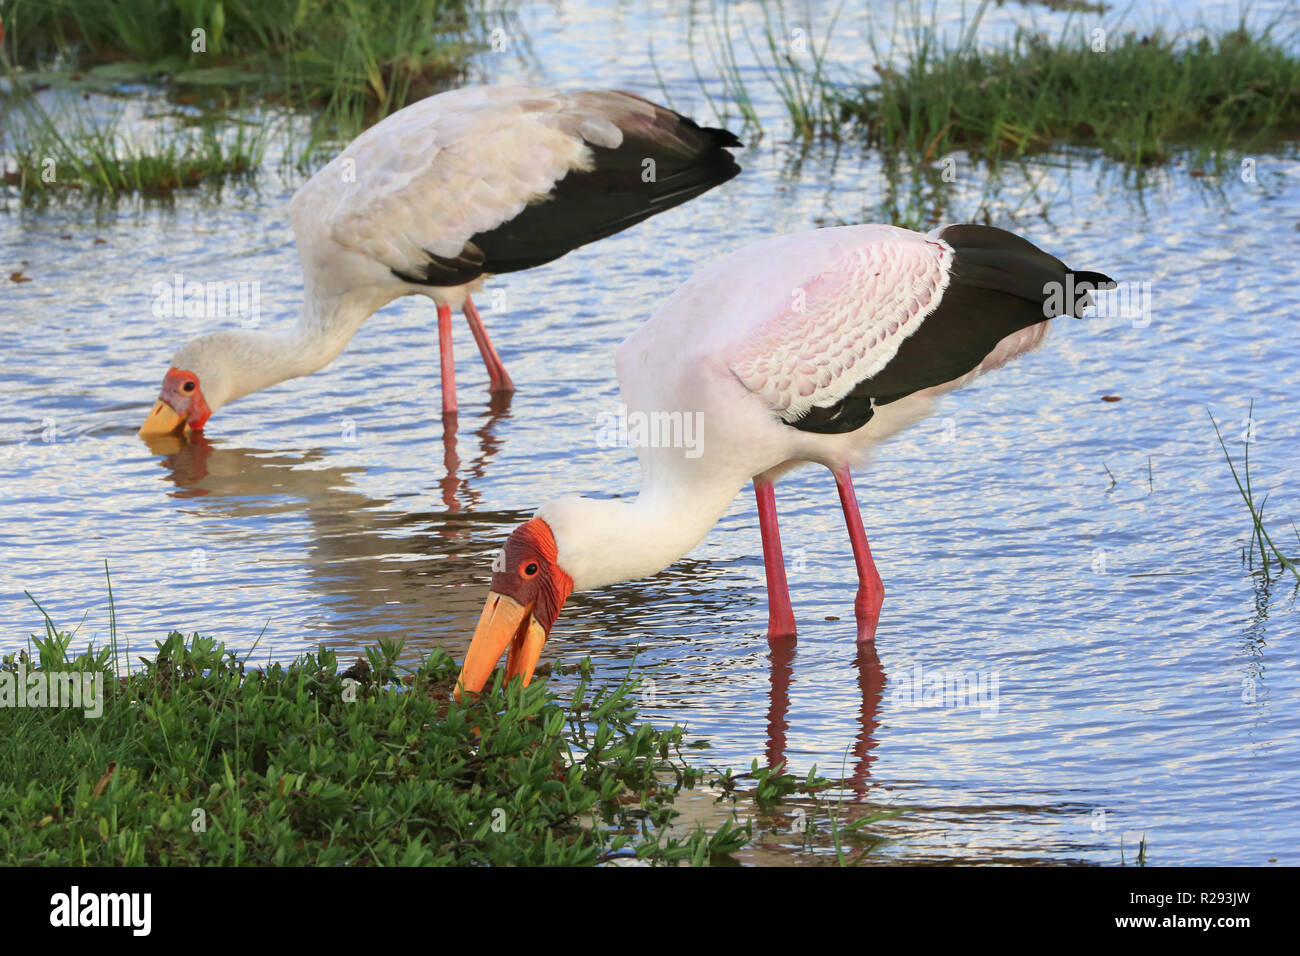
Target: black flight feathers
x=619, y=191
x=999, y=283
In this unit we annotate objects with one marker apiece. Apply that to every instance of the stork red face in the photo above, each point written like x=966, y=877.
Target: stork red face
x=180, y=405
x=528, y=590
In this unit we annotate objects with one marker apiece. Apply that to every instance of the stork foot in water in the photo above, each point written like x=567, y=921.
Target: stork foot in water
x=446, y=364
x=780, y=616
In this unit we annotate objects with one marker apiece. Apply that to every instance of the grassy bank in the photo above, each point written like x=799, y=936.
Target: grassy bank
x=200, y=759
x=343, y=63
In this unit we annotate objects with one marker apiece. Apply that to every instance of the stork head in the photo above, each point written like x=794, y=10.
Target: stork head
x=199, y=382
x=528, y=590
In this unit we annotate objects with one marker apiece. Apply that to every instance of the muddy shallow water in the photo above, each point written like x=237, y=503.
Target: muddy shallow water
x=1127, y=675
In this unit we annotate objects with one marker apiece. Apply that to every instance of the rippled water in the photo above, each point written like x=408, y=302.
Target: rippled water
x=1146, y=680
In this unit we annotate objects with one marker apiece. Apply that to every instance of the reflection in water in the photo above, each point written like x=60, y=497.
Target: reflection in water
x=375, y=567
x=488, y=445
x=187, y=460
x=871, y=684
x=781, y=654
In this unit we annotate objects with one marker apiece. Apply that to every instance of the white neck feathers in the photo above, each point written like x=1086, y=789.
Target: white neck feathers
x=604, y=541
x=258, y=359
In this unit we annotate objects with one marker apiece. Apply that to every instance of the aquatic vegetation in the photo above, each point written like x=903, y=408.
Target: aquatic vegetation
x=1135, y=98
x=1141, y=859
x=1261, y=542
x=77, y=153
x=805, y=91
x=341, y=53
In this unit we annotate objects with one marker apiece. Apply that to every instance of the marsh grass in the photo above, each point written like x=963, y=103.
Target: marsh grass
x=72, y=152
x=719, y=40
x=1141, y=859
x=1261, y=542
x=804, y=90
x=381, y=49
x=346, y=62
x=1138, y=99
x=1138, y=102
x=788, y=54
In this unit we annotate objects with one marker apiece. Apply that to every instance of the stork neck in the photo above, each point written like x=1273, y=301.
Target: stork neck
x=603, y=541
x=325, y=326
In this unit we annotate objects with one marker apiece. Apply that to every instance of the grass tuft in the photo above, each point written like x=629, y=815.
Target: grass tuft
x=374, y=49
x=1260, y=540
x=347, y=63
x=71, y=152
x=1136, y=100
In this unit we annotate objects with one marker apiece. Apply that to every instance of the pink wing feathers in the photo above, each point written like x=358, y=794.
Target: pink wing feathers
x=845, y=322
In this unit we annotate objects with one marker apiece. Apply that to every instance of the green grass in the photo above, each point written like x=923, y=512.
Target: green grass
x=384, y=48
x=348, y=61
x=784, y=46
x=1261, y=542
x=198, y=758
x=1142, y=852
x=284, y=766
x=76, y=153
x=1139, y=101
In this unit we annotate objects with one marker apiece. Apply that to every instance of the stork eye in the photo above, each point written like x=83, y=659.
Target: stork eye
x=188, y=387
x=529, y=570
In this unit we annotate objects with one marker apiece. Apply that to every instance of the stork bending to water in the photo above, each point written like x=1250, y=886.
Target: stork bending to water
x=811, y=347
x=449, y=190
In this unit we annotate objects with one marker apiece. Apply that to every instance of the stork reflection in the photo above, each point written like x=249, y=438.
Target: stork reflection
x=378, y=566
x=871, y=685
x=452, y=485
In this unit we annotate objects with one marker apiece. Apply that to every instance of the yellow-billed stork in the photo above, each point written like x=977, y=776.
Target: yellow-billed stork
x=811, y=347
x=451, y=189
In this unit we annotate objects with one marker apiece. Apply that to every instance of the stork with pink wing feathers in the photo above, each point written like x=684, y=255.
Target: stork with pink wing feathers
x=811, y=347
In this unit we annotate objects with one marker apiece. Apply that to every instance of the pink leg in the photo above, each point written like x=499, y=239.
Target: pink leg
x=780, y=616
x=498, y=377
x=446, y=360
x=871, y=590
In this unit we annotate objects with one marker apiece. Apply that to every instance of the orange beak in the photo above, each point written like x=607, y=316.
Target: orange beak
x=504, y=623
x=162, y=420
